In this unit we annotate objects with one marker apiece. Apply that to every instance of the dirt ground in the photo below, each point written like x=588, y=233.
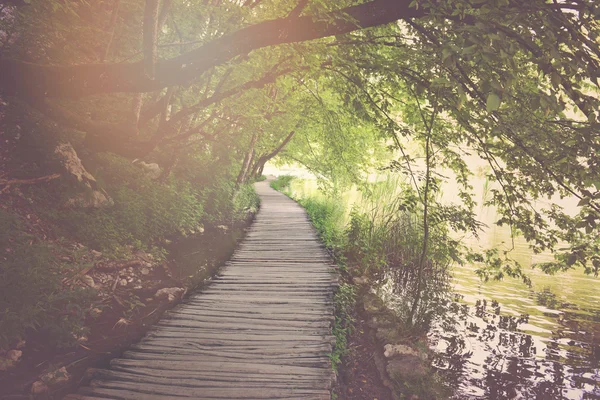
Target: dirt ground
x=358, y=376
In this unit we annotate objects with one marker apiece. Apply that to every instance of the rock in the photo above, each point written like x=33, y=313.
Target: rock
x=39, y=387
x=360, y=280
x=67, y=156
x=224, y=228
x=123, y=282
x=93, y=199
x=406, y=368
x=144, y=271
x=14, y=355
x=152, y=170
x=56, y=377
x=373, y=304
x=391, y=350
x=88, y=281
x=91, y=196
x=95, y=312
x=96, y=254
x=171, y=294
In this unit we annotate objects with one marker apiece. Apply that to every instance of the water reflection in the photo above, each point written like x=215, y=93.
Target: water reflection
x=512, y=342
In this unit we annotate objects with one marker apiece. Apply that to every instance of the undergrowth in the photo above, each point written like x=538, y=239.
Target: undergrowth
x=35, y=292
x=382, y=244
x=33, y=268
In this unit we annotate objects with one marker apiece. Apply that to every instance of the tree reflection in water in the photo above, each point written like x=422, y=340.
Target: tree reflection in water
x=492, y=355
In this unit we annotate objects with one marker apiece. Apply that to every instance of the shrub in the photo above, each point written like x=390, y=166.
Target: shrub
x=327, y=215
x=282, y=183
x=32, y=297
x=145, y=210
x=245, y=200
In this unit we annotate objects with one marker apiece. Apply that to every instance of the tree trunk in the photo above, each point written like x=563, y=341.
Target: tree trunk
x=260, y=163
x=136, y=108
x=242, y=176
x=112, y=26
x=150, y=37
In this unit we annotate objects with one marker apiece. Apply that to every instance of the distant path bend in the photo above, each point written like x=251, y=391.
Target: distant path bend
x=261, y=330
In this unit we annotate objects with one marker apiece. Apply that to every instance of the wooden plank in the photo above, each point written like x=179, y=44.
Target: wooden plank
x=260, y=330
x=183, y=381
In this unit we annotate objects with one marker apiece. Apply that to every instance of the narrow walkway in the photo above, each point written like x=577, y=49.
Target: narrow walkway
x=261, y=330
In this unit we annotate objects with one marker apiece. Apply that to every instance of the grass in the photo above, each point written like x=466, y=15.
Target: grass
x=33, y=295
x=382, y=241
x=32, y=268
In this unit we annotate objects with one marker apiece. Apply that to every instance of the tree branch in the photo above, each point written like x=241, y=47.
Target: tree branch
x=22, y=78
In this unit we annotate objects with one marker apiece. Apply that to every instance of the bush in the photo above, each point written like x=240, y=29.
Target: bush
x=282, y=183
x=327, y=215
x=145, y=210
x=245, y=201
x=32, y=297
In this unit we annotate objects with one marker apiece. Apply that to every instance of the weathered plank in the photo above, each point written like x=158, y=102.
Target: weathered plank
x=260, y=330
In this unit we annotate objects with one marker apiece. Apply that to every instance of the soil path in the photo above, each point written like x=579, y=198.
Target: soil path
x=261, y=330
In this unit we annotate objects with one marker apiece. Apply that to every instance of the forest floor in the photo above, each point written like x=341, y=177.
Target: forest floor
x=130, y=296
x=359, y=378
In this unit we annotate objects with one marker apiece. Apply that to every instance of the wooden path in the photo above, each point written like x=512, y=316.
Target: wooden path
x=261, y=330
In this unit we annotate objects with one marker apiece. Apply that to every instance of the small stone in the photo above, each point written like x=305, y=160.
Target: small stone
x=56, y=377
x=391, y=350
x=360, y=280
x=409, y=368
x=145, y=271
x=169, y=293
x=96, y=254
x=224, y=228
x=123, y=282
x=14, y=355
x=39, y=387
x=152, y=170
x=95, y=312
x=88, y=281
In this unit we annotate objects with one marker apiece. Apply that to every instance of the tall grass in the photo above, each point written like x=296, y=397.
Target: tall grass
x=382, y=239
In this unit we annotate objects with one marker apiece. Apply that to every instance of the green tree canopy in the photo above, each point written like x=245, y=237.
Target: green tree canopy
x=515, y=82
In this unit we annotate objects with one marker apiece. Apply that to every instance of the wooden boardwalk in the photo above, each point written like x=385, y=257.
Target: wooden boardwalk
x=261, y=330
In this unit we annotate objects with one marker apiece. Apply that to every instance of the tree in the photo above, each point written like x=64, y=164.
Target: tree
x=515, y=82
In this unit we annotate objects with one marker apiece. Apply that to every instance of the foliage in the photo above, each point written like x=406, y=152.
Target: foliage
x=144, y=211
x=344, y=301
x=245, y=201
x=260, y=178
x=495, y=79
x=327, y=215
x=282, y=183
x=32, y=268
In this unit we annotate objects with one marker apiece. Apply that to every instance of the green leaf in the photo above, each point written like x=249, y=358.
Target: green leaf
x=493, y=102
x=583, y=202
